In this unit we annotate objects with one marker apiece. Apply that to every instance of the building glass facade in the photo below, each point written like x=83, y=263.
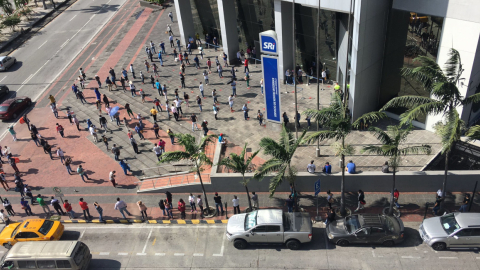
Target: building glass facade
x=205, y=18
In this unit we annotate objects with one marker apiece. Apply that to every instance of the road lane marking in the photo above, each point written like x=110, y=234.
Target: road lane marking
x=159, y=254
x=179, y=254
x=197, y=254
x=223, y=245
x=43, y=44
x=26, y=80
x=154, y=240
x=104, y=253
x=65, y=43
x=141, y=254
x=146, y=242
x=373, y=253
x=410, y=257
x=73, y=18
x=3, y=79
x=123, y=254
x=81, y=235
x=448, y=257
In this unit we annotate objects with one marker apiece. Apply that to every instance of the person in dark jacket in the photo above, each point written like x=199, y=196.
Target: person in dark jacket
x=361, y=200
x=161, y=204
x=56, y=205
x=331, y=216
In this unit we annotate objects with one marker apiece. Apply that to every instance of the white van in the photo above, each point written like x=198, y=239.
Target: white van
x=47, y=255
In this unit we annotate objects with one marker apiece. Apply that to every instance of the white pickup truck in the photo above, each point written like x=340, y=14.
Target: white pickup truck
x=269, y=226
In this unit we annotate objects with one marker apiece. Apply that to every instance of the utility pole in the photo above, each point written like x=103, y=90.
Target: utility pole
x=294, y=69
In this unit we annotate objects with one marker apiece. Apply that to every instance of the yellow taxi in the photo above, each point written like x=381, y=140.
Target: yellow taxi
x=31, y=230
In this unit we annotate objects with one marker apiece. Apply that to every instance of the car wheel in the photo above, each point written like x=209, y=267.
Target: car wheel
x=388, y=243
x=439, y=246
x=343, y=242
x=293, y=244
x=240, y=244
x=7, y=246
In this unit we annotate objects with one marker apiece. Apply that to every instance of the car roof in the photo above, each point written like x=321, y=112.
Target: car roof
x=269, y=216
x=468, y=219
x=41, y=249
x=1, y=57
x=370, y=220
x=31, y=225
x=11, y=100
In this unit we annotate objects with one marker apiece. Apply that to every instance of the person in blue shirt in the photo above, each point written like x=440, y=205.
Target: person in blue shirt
x=139, y=131
x=160, y=58
x=350, y=167
x=327, y=168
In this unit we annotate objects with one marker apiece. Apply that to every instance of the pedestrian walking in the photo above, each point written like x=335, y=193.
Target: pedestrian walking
x=236, y=205
x=85, y=209
x=125, y=167
x=111, y=177
x=134, y=145
x=200, y=205
x=47, y=148
x=361, y=200
x=3, y=181
x=122, y=207
x=35, y=138
x=28, y=193
x=205, y=127
x=61, y=155
x=181, y=208
x=56, y=205
x=116, y=152
x=129, y=110
x=12, y=163
x=44, y=205
x=139, y=130
x=60, y=130
x=68, y=162
x=153, y=113
x=82, y=173
x=13, y=133
x=26, y=207
x=98, y=81
x=218, y=203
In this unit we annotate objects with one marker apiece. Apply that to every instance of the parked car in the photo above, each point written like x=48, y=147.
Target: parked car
x=31, y=230
x=269, y=226
x=6, y=62
x=452, y=230
x=366, y=229
x=11, y=108
x=4, y=90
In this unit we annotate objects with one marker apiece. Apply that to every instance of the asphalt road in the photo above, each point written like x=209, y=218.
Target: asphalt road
x=149, y=246
x=43, y=57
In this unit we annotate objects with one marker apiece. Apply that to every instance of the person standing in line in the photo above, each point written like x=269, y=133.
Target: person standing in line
x=68, y=161
x=330, y=199
x=330, y=217
x=132, y=89
x=143, y=210
x=44, y=205
x=192, y=200
x=162, y=46
x=158, y=151
x=116, y=152
x=205, y=77
x=308, y=118
x=245, y=111
x=236, y=205
x=168, y=209
x=234, y=88
x=218, y=203
x=61, y=155
x=139, y=131
x=12, y=163
x=178, y=104
x=255, y=200
x=161, y=204
x=54, y=109
x=178, y=45
x=171, y=135
x=122, y=207
x=247, y=79
x=98, y=81
x=205, y=127
x=194, y=118
x=156, y=129
x=200, y=205
x=465, y=203
x=60, y=130
x=230, y=102
x=289, y=203
x=129, y=111
x=28, y=193
x=111, y=177
x=174, y=111
x=158, y=86
x=100, y=212
x=47, y=148
x=4, y=218
x=26, y=207
x=182, y=80
x=13, y=133
x=169, y=29
x=35, y=138
x=68, y=208
x=56, y=205
x=170, y=38
x=260, y=117
x=86, y=211
x=158, y=105
x=82, y=173
x=361, y=200
x=152, y=47
x=167, y=108
x=181, y=208
x=134, y=145
x=3, y=181
x=200, y=87
x=153, y=113
x=220, y=71
x=8, y=206
x=261, y=85
x=199, y=103
x=214, y=95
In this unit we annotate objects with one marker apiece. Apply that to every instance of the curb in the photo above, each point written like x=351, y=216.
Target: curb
x=129, y=221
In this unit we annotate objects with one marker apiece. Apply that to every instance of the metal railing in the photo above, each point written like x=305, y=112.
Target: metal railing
x=170, y=181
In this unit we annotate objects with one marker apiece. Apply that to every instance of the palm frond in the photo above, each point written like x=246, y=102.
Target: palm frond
x=373, y=149
x=435, y=107
x=426, y=73
x=174, y=156
x=453, y=64
x=272, y=148
x=370, y=117
x=408, y=102
x=271, y=165
x=294, y=147
x=252, y=156
x=475, y=98
x=420, y=149
x=206, y=140
x=473, y=133
x=276, y=180
x=322, y=116
x=203, y=159
x=343, y=149
x=322, y=135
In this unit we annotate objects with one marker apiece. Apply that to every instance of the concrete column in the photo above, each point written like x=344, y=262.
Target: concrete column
x=185, y=20
x=228, y=24
x=283, y=27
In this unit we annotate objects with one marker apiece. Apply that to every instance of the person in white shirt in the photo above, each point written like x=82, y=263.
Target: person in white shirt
x=200, y=204
x=191, y=199
x=122, y=207
x=255, y=200
x=4, y=218
x=236, y=205
x=178, y=104
x=311, y=167
x=201, y=89
x=158, y=151
x=324, y=76
x=111, y=177
x=61, y=155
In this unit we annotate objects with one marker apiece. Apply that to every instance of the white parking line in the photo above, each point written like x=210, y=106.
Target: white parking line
x=43, y=44
x=373, y=253
x=123, y=254
x=141, y=254
x=410, y=257
x=448, y=257
x=81, y=235
x=179, y=254
x=223, y=245
x=159, y=254
x=3, y=79
x=146, y=242
x=197, y=254
x=104, y=253
x=73, y=18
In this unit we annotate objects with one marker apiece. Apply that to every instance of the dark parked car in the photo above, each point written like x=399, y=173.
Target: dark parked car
x=6, y=62
x=4, y=90
x=11, y=108
x=366, y=229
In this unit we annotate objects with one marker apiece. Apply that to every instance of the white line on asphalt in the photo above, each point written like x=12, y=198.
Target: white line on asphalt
x=448, y=257
x=104, y=253
x=81, y=235
x=65, y=43
x=43, y=44
x=27, y=79
x=146, y=242
x=410, y=257
x=73, y=18
x=123, y=254
x=197, y=254
x=179, y=254
x=373, y=253
x=141, y=254
x=3, y=79
x=223, y=246
x=159, y=254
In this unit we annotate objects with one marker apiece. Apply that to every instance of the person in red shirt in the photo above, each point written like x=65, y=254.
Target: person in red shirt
x=181, y=208
x=60, y=130
x=396, y=194
x=161, y=143
x=246, y=66
x=86, y=212
x=68, y=208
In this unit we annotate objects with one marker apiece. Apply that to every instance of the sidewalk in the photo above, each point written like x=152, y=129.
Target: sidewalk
x=412, y=206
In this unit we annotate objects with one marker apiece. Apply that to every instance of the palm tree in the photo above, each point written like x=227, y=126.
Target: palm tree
x=444, y=100
x=391, y=141
x=282, y=154
x=473, y=133
x=239, y=164
x=193, y=152
x=339, y=124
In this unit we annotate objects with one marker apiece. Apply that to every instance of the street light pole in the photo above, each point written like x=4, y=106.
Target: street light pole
x=317, y=61
x=294, y=70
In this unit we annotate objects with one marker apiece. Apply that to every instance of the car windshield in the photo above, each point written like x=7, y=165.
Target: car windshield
x=47, y=225
x=78, y=257
x=4, y=108
x=16, y=229
x=449, y=223
x=352, y=224
x=250, y=220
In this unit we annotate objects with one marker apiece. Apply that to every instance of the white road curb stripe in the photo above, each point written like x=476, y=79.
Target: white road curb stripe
x=123, y=254
x=104, y=253
x=141, y=254
x=197, y=254
x=179, y=254
x=159, y=254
